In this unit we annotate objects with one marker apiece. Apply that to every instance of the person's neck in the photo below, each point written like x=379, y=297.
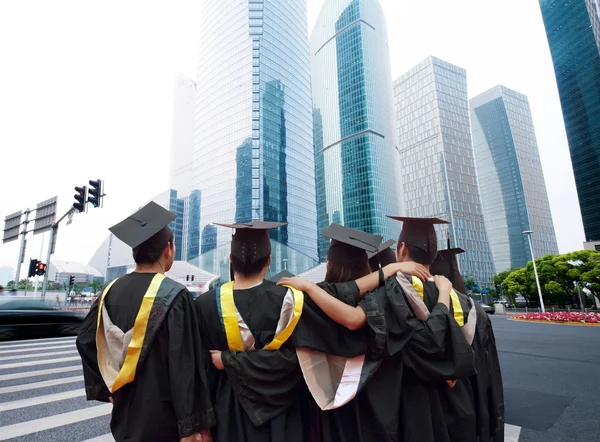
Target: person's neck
x=424, y=265
x=156, y=267
x=245, y=282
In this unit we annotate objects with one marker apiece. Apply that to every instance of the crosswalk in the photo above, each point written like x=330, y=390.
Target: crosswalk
x=42, y=396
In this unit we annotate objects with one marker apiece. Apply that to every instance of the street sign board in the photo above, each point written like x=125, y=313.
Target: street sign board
x=12, y=227
x=45, y=215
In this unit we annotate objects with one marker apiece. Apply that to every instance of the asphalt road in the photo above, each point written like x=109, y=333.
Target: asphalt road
x=550, y=374
x=551, y=379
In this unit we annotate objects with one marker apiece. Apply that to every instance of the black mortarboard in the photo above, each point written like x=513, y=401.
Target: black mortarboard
x=420, y=233
x=143, y=225
x=250, y=242
x=283, y=274
x=383, y=256
x=349, y=246
x=446, y=265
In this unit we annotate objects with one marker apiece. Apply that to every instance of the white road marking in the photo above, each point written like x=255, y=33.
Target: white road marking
x=31, y=374
x=37, y=355
x=511, y=433
x=28, y=350
x=106, y=438
x=41, y=384
x=39, y=400
x=59, y=420
x=43, y=362
x=37, y=344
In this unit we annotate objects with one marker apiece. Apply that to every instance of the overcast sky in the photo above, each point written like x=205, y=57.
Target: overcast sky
x=86, y=92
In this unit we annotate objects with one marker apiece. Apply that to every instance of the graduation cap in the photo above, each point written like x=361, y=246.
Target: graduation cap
x=350, y=246
x=383, y=256
x=283, y=274
x=446, y=265
x=250, y=242
x=420, y=233
x=148, y=227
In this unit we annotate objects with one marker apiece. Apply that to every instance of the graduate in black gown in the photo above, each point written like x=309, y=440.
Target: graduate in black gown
x=140, y=343
x=487, y=383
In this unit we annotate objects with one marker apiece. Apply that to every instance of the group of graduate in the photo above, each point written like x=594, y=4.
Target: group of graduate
x=388, y=348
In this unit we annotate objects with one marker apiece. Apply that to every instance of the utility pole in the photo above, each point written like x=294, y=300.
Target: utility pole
x=23, y=245
x=51, y=243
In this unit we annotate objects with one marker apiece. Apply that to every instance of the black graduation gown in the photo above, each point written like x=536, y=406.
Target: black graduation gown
x=436, y=351
x=169, y=397
x=487, y=384
x=266, y=414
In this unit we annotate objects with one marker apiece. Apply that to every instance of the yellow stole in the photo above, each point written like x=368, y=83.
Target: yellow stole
x=127, y=372
x=229, y=314
x=459, y=316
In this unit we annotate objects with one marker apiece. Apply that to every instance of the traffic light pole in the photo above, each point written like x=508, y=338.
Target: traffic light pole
x=53, y=232
x=22, y=249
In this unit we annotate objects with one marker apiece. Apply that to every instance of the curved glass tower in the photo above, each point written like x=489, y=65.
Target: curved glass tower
x=253, y=155
x=354, y=141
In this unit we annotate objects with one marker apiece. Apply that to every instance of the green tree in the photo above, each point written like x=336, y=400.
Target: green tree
x=471, y=285
x=10, y=285
x=96, y=286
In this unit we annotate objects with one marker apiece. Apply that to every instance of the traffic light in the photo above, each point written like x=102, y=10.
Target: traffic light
x=95, y=193
x=41, y=269
x=71, y=281
x=192, y=278
x=80, y=198
x=187, y=277
x=33, y=266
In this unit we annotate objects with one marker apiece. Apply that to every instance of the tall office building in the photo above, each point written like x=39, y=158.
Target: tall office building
x=511, y=180
x=354, y=140
x=574, y=49
x=182, y=138
x=253, y=156
x=436, y=156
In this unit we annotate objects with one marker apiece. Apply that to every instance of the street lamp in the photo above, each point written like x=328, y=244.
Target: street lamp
x=528, y=233
x=577, y=264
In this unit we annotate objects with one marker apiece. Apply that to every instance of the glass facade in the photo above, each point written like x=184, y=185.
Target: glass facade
x=511, y=180
x=437, y=161
x=574, y=50
x=253, y=155
x=354, y=141
x=176, y=205
x=193, y=232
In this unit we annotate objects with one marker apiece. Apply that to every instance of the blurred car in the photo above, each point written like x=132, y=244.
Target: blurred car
x=490, y=309
x=29, y=318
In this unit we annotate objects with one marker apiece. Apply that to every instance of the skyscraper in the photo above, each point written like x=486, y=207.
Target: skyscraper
x=436, y=157
x=253, y=156
x=354, y=140
x=511, y=180
x=574, y=49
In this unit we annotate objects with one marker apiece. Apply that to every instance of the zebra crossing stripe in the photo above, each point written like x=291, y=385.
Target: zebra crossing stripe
x=36, y=343
x=106, y=438
x=42, y=384
x=39, y=400
x=31, y=374
x=42, y=362
x=37, y=355
x=47, y=423
x=28, y=350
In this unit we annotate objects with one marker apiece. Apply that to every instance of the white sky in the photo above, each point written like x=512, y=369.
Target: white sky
x=86, y=92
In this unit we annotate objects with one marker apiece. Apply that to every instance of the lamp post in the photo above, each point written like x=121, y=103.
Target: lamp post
x=528, y=233
x=577, y=264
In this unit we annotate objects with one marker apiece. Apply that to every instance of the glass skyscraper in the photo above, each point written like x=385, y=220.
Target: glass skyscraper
x=574, y=49
x=511, y=180
x=436, y=156
x=354, y=140
x=253, y=155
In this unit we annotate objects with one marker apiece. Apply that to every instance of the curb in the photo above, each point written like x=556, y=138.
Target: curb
x=581, y=324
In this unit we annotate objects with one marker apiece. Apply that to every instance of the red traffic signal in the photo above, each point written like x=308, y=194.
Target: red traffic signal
x=41, y=269
x=80, y=198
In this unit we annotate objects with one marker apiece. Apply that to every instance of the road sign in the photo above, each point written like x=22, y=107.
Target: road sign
x=12, y=227
x=45, y=215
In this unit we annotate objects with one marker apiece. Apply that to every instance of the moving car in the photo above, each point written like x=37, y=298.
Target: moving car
x=490, y=309
x=33, y=318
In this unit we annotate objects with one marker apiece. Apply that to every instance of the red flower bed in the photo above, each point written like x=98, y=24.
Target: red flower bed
x=592, y=318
